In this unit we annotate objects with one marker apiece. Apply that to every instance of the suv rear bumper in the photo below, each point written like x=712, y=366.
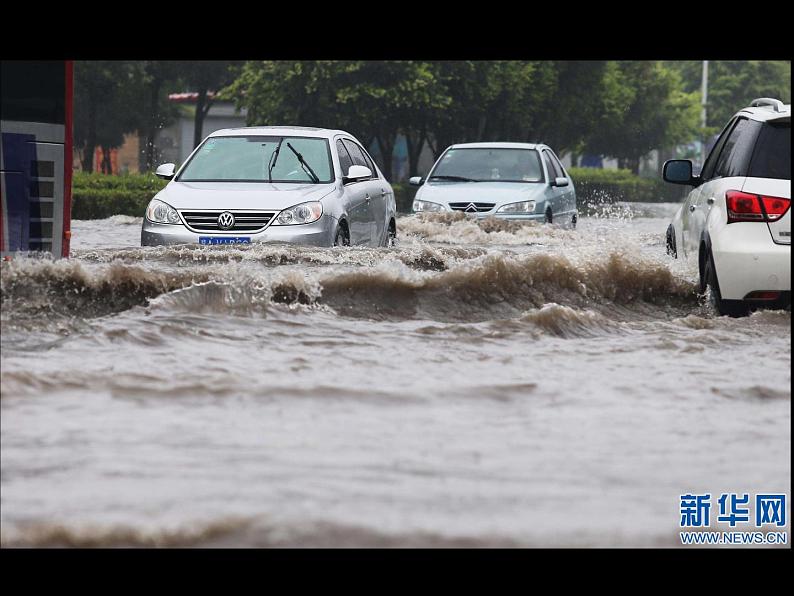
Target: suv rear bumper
x=746, y=260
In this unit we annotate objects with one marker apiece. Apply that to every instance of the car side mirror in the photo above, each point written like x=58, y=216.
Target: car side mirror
x=416, y=181
x=357, y=173
x=560, y=182
x=679, y=171
x=165, y=171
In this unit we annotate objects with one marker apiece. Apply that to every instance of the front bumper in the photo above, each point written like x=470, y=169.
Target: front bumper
x=319, y=233
x=513, y=216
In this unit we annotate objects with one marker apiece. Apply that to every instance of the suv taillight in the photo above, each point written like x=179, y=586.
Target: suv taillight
x=775, y=207
x=743, y=206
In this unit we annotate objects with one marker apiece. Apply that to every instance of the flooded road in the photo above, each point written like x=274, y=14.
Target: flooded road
x=480, y=384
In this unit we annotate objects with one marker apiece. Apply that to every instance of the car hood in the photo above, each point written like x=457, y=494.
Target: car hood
x=240, y=195
x=489, y=192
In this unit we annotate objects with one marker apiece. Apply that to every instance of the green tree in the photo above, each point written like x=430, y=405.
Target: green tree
x=645, y=108
x=206, y=78
x=154, y=112
x=372, y=100
x=569, y=114
x=552, y=102
x=733, y=84
x=105, y=96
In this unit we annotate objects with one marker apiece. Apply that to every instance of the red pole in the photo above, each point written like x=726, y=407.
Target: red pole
x=67, y=159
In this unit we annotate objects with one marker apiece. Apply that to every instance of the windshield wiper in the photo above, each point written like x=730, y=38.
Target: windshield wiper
x=306, y=167
x=273, y=159
x=460, y=178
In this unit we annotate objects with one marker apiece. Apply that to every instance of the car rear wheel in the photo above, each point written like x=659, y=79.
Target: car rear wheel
x=573, y=221
x=709, y=284
x=549, y=216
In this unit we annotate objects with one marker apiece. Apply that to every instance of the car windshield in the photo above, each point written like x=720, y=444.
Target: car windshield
x=772, y=154
x=249, y=159
x=489, y=164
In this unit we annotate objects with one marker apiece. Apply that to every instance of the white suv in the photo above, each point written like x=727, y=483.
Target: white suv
x=737, y=220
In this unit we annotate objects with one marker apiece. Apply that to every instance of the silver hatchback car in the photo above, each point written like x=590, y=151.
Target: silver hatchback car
x=521, y=181
x=273, y=184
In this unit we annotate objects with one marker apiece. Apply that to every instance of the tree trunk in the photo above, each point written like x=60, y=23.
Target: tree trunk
x=107, y=166
x=414, y=143
x=88, y=156
x=433, y=149
x=90, y=144
x=386, y=145
x=483, y=122
x=203, y=105
x=152, y=125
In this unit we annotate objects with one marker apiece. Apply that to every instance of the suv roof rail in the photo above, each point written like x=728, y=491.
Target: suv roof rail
x=775, y=104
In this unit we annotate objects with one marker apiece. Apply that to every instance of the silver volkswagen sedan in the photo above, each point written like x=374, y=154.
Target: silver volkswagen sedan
x=505, y=180
x=273, y=184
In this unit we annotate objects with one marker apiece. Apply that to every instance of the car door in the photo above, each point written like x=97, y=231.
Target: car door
x=380, y=191
x=690, y=229
x=553, y=193
x=567, y=194
x=730, y=172
x=371, y=190
x=356, y=194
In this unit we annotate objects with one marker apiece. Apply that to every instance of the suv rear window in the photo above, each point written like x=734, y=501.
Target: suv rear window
x=772, y=154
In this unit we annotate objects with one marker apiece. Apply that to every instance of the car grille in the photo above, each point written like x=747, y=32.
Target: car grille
x=244, y=221
x=480, y=207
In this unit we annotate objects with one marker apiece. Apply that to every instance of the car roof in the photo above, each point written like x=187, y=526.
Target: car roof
x=496, y=145
x=766, y=109
x=298, y=131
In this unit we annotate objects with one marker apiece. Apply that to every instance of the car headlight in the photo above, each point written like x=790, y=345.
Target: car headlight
x=300, y=214
x=420, y=206
x=160, y=212
x=522, y=207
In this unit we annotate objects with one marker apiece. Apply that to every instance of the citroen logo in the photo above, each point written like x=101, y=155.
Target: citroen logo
x=226, y=220
x=471, y=208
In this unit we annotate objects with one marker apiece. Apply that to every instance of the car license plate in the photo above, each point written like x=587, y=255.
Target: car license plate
x=224, y=240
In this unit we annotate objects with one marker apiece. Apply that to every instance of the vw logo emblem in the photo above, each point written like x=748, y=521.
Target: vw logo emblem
x=471, y=208
x=226, y=221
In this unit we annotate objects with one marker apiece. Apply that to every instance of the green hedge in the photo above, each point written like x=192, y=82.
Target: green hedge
x=595, y=185
x=97, y=196
x=404, y=196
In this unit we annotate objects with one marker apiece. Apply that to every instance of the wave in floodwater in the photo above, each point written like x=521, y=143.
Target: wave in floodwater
x=459, y=228
x=238, y=531
x=420, y=257
x=488, y=287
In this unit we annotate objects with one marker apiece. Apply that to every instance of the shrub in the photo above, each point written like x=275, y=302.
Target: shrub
x=97, y=196
x=404, y=196
x=595, y=185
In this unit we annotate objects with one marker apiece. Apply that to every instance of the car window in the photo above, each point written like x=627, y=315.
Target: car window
x=557, y=165
x=248, y=158
x=550, y=166
x=356, y=154
x=370, y=163
x=506, y=164
x=707, y=171
x=735, y=156
x=344, y=157
x=772, y=153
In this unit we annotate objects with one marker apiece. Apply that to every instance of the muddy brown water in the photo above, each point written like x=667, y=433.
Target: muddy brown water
x=480, y=384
